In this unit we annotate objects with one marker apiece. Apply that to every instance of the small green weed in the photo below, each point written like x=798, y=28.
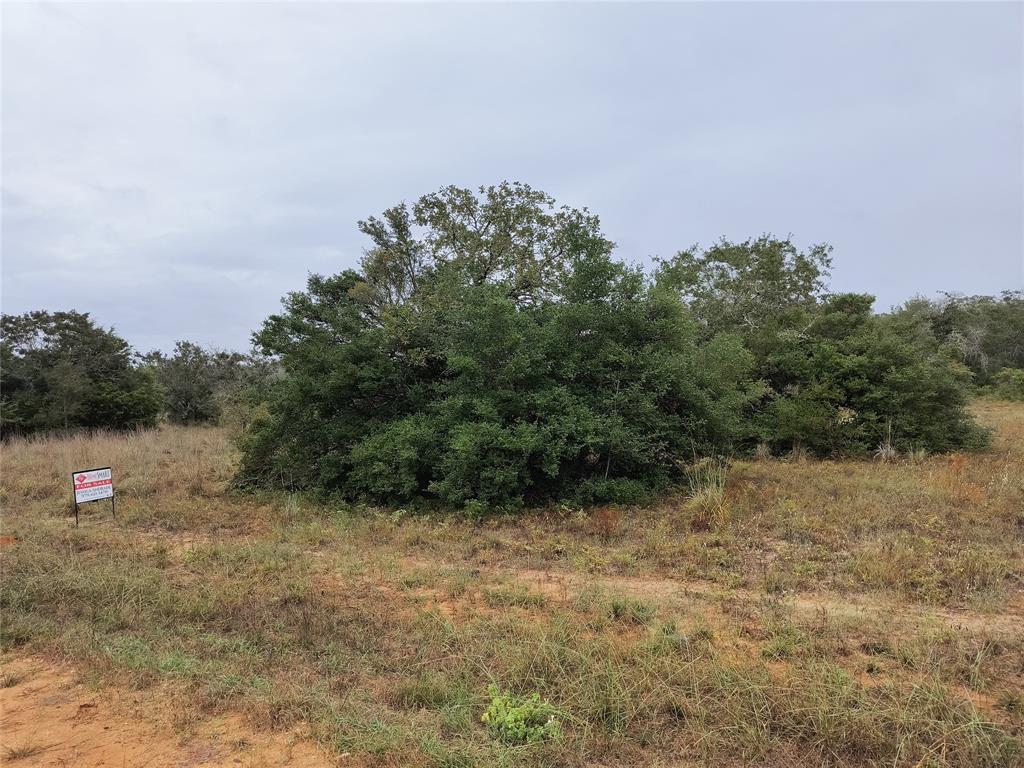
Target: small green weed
x=520, y=719
x=707, y=500
x=784, y=642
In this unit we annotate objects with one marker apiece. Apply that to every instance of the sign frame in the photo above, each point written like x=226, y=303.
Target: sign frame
x=74, y=494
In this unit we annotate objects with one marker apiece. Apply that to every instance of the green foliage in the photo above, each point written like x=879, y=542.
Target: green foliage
x=491, y=371
x=631, y=611
x=849, y=381
x=188, y=380
x=60, y=371
x=754, y=289
x=1009, y=383
x=987, y=332
x=200, y=385
x=706, y=479
x=838, y=378
x=490, y=353
x=520, y=719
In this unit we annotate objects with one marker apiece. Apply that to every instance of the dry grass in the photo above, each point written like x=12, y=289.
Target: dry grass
x=788, y=613
x=22, y=752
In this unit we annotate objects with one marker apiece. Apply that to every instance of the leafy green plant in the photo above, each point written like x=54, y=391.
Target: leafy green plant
x=520, y=719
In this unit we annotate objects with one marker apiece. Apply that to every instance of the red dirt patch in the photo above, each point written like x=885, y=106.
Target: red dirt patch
x=49, y=718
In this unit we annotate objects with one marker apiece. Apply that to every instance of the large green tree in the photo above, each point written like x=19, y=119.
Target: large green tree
x=491, y=352
x=60, y=370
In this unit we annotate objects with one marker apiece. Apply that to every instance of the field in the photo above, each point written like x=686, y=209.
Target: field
x=791, y=612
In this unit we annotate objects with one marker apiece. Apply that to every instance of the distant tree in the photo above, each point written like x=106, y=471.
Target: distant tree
x=188, y=379
x=986, y=332
x=199, y=384
x=59, y=370
x=838, y=379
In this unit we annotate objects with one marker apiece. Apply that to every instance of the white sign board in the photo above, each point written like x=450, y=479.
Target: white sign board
x=93, y=485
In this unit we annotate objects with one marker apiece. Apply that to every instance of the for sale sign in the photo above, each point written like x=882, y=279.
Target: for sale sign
x=93, y=485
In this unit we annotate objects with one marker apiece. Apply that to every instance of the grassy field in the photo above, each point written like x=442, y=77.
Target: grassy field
x=789, y=613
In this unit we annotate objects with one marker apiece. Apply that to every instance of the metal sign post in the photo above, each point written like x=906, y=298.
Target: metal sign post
x=93, y=485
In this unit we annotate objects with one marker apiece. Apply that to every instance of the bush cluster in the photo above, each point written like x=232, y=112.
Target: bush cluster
x=491, y=352
x=502, y=357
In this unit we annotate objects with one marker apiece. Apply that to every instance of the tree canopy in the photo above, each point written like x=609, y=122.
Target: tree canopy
x=60, y=370
x=490, y=351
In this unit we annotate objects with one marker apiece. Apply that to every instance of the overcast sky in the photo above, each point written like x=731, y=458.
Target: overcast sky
x=175, y=169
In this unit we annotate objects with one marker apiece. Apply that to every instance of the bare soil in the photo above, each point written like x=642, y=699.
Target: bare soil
x=50, y=717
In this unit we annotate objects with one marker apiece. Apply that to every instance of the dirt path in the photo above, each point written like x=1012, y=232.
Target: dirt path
x=49, y=718
x=1009, y=622
x=565, y=585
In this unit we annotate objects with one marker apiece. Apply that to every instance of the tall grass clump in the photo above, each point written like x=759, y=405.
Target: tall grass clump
x=707, y=500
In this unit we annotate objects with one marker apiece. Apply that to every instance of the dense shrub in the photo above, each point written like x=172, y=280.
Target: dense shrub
x=60, y=371
x=838, y=378
x=497, y=403
x=850, y=382
x=511, y=361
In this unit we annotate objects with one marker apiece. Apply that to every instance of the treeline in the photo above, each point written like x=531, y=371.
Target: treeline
x=490, y=351
x=60, y=370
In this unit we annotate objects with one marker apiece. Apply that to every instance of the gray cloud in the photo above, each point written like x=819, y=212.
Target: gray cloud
x=175, y=168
